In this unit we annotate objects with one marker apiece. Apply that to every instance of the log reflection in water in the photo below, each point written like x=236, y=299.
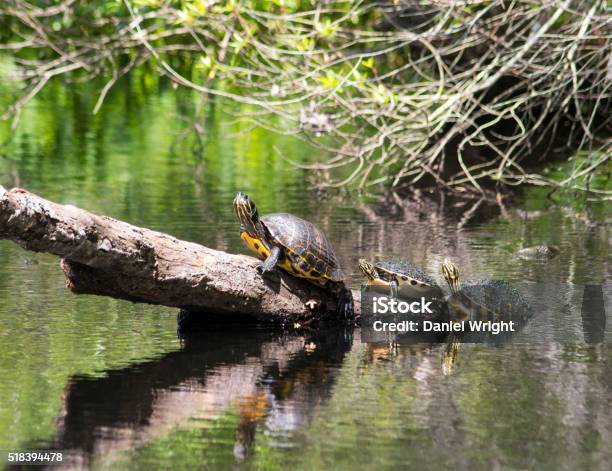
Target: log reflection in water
x=262, y=374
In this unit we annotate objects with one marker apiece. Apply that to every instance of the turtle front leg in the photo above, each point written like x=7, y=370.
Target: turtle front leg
x=394, y=287
x=268, y=265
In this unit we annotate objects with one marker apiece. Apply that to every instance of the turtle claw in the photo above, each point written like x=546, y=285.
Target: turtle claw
x=263, y=270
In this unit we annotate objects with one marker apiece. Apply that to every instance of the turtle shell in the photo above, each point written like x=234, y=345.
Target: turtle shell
x=539, y=252
x=406, y=270
x=309, y=253
x=412, y=281
x=495, y=299
x=489, y=300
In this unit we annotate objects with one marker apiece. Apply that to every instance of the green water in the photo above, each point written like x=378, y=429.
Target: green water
x=110, y=383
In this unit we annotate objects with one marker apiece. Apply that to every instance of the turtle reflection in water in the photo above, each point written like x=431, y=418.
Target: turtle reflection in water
x=296, y=246
x=482, y=300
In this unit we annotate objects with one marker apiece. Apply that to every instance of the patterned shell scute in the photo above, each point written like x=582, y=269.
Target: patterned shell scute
x=306, y=240
x=404, y=267
x=497, y=296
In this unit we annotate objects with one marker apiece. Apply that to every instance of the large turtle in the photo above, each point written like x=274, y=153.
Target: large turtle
x=401, y=278
x=300, y=248
x=486, y=300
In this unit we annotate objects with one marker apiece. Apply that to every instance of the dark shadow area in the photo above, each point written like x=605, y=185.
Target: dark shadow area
x=248, y=369
x=593, y=314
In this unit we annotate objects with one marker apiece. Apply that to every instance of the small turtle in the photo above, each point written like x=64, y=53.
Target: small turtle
x=539, y=252
x=401, y=277
x=296, y=246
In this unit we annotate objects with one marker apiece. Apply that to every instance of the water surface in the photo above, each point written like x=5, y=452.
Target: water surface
x=110, y=382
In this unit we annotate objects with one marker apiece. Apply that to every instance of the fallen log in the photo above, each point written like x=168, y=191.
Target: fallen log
x=107, y=257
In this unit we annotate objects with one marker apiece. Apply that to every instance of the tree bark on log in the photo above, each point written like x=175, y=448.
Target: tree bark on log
x=104, y=256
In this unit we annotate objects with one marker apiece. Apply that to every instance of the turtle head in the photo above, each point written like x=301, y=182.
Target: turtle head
x=450, y=272
x=368, y=269
x=247, y=215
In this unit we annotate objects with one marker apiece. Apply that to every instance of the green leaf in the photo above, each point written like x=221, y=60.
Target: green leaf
x=330, y=81
x=326, y=28
x=305, y=44
x=368, y=63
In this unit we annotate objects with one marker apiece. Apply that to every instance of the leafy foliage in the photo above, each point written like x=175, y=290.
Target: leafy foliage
x=461, y=95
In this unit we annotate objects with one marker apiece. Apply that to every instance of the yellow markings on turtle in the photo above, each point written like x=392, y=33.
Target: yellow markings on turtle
x=287, y=266
x=300, y=267
x=255, y=245
x=378, y=282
